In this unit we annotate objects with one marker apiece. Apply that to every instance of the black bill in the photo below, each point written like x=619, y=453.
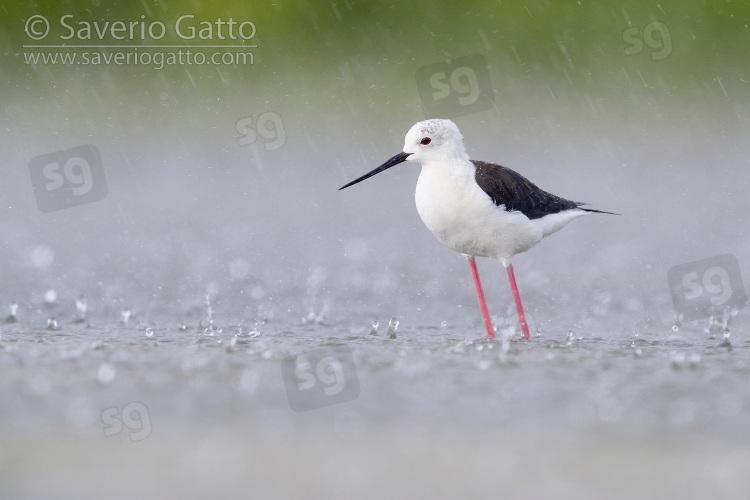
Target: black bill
x=399, y=158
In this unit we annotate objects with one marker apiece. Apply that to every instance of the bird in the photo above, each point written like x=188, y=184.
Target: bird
x=478, y=208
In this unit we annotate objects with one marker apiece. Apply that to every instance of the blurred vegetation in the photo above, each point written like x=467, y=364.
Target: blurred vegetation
x=368, y=52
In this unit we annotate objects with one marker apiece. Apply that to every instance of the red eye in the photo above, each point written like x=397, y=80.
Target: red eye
x=425, y=140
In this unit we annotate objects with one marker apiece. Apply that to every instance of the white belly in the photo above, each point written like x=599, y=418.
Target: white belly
x=456, y=210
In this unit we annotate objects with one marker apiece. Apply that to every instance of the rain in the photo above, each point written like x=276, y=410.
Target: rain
x=189, y=307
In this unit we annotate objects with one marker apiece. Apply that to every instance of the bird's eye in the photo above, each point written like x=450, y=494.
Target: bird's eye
x=425, y=140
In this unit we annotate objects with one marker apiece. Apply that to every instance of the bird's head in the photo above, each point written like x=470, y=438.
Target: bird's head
x=426, y=142
x=432, y=140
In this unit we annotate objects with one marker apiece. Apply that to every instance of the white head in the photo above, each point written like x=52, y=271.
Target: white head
x=426, y=142
x=432, y=140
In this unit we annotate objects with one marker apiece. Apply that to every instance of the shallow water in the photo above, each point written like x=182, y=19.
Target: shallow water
x=227, y=290
x=203, y=409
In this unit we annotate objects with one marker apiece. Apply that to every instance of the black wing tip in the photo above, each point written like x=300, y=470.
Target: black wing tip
x=597, y=211
x=579, y=204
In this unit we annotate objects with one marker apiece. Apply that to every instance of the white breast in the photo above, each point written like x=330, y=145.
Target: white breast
x=463, y=217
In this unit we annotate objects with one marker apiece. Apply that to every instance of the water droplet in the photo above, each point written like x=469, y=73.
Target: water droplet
x=443, y=324
x=727, y=333
x=210, y=331
x=125, y=316
x=81, y=309
x=12, y=316
x=149, y=332
x=50, y=297
x=52, y=324
x=182, y=327
x=483, y=364
x=251, y=334
x=392, y=327
x=675, y=328
x=106, y=373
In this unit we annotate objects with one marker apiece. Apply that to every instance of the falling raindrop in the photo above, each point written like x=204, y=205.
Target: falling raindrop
x=392, y=327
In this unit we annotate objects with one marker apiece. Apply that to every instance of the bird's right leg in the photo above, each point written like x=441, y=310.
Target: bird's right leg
x=480, y=297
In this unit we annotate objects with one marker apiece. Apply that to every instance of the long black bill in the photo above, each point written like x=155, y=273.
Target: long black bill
x=399, y=158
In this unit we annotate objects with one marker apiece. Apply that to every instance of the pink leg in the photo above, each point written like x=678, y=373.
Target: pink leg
x=517, y=301
x=480, y=297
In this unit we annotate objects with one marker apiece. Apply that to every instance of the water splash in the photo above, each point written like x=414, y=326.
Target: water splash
x=81, y=308
x=149, y=332
x=241, y=333
x=719, y=324
x=12, y=318
x=315, y=284
x=392, y=327
x=125, y=316
x=52, y=324
x=374, y=330
x=182, y=327
x=210, y=330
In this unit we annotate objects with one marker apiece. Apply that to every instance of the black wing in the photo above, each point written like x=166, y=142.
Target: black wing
x=516, y=192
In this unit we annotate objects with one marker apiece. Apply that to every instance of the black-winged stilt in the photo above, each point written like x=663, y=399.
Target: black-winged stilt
x=478, y=208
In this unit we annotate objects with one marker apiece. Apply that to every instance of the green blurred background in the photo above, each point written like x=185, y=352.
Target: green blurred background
x=320, y=55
